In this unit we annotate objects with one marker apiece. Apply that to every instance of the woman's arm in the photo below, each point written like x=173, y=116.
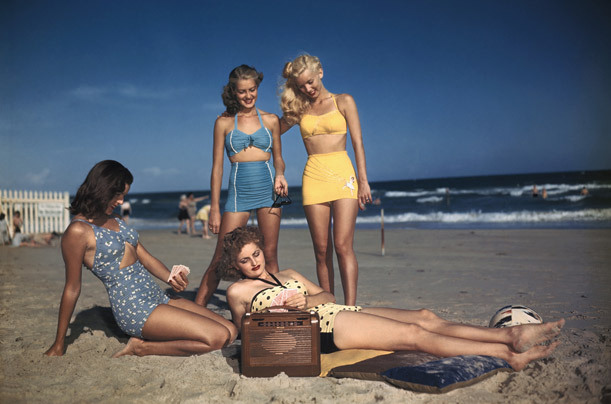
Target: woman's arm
x=284, y=126
x=74, y=245
x=316, y=294
x=216, y=177
x=347, y=107
x=236, y=304
x=280, y=184
x=159, y=270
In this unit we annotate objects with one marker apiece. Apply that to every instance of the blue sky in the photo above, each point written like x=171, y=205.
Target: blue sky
x=444, y=88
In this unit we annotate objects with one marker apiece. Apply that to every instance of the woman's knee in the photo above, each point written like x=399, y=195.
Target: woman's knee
x=426, y=316
x=221, y=338
x=415, y=335
x=322, y=258
x=233, y=333
x=320, y=250
x=344, y=248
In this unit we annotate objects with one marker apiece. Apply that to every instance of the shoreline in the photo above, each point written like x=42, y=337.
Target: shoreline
x=462, y=275
x=373, y=225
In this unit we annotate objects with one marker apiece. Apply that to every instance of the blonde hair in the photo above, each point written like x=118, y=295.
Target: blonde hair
x=292, y=101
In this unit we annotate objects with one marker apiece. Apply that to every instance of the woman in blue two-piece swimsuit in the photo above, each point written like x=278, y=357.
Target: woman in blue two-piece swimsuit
x=158, y=324
x=250, y=138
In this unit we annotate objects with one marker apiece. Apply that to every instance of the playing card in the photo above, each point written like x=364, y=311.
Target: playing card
x=177, y=269
x=281, y=298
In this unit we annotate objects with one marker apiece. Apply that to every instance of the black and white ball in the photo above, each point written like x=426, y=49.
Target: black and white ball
x=514, y=314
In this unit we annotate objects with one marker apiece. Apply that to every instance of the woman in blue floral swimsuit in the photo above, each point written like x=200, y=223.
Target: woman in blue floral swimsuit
x=157, y=323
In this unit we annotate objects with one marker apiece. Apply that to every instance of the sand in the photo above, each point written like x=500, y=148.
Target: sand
x=463, y=275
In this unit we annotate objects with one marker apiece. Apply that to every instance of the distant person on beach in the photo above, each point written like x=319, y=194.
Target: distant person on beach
x=34, y=240
x=126, y=210
x=192, y=209
x=584, y=191
x=203, y=215
x=158, y=324
x=332, y=191
x=535, y=191
x=183, y=214
x=250, y=138
x=4, y=236
x=17, y=222
x=356, y=327
x=544, y=193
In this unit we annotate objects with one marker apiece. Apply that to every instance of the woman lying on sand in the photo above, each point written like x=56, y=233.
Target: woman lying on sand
x=103, y=243
x=348, y=327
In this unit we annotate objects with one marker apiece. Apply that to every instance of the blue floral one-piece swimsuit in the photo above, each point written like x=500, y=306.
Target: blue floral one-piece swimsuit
x=132, y=291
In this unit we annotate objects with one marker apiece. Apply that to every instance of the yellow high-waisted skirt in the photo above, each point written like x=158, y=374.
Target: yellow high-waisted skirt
x=328, y=177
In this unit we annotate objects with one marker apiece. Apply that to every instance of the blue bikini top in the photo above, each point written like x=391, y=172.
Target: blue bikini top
x=236, y=140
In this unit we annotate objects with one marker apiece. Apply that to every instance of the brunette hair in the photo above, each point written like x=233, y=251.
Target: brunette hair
x=105, y=180
x=242, y=72
x=233, y=242
x=292, y=101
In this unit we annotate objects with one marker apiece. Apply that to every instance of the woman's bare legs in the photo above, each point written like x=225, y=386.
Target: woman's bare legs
x=319, y=223
x=521, y=339
x=344, y=213
x=209, y=283
x=192, y=225
x=370, y=331
x=269, y=224
x=189, y=226
x=205, y=232
x=180, y=225
x=181, y=328
x=344, y=222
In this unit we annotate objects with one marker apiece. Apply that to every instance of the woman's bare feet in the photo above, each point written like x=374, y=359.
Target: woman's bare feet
x=518, y=361
x=130, y=348
x=528, y=336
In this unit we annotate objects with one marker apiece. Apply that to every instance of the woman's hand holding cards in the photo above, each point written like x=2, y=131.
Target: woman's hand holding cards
x=178, y=277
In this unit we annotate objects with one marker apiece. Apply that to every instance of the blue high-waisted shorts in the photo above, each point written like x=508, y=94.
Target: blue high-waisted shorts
x=251, y=186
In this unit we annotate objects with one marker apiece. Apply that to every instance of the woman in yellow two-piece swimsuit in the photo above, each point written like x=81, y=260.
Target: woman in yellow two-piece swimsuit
x=331, y=188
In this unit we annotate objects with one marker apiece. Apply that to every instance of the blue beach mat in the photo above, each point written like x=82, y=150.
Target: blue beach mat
x=422, y=372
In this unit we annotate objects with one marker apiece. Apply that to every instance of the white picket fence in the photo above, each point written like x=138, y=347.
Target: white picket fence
x=42, y=212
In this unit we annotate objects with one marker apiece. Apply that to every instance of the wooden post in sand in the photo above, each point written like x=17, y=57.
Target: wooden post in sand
x=382, y=230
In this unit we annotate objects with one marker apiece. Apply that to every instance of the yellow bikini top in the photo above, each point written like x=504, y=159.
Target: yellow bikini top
x=331, y=123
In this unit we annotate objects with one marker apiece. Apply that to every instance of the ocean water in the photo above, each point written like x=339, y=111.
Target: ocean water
x=495, y=202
